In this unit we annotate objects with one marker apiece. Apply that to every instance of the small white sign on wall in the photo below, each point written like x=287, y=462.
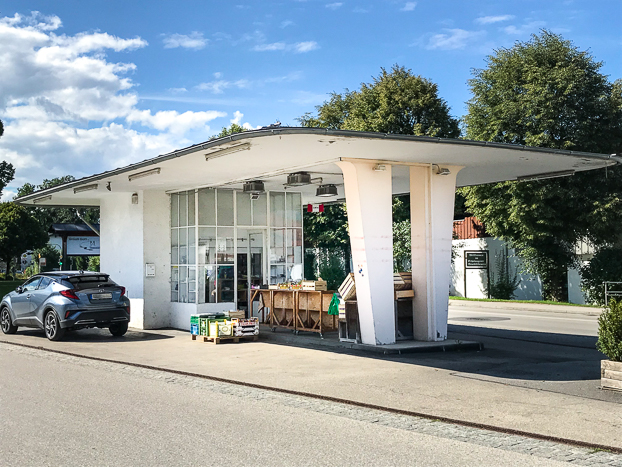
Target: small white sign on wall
x=150, y=270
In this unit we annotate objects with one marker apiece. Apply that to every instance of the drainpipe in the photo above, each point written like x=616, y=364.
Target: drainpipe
x=87, y=223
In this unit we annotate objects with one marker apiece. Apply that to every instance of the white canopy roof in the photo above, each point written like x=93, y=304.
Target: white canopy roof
x=271, y=154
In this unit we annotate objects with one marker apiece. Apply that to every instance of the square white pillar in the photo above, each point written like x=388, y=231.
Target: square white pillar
x=370, y=222
x=431, y=215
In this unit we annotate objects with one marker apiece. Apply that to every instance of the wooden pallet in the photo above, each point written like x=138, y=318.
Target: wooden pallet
x=218, y=340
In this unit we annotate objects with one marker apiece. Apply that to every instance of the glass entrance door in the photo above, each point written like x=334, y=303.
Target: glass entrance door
x=250, y=265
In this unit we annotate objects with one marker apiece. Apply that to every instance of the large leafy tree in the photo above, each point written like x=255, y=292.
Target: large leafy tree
x=7, y=172
x=546, y=92
x=397, y=102
x=19, y=232
x=47, y=216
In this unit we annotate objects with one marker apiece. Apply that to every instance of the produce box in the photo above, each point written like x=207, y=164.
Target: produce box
x=220, y=328
x=245, y=327
x=204, y=325
x=237, y=314
x=314, y=285
x=347, y=289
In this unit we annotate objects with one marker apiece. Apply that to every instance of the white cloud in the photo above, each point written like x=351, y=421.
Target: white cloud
x=453, y=39
x=493, y=19
x=334, y=6
x=237, y=117
x=67, y=109
x=524, y=29
x=286, y=23
x=219, y=86
x=409, y=6
x=194, y=41
x=298, y=47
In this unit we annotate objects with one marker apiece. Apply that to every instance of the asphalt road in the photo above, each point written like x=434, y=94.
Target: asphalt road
x=532, y=321
x=61, y=410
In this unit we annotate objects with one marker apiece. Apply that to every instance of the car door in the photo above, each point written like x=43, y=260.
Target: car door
x=37, y=298
x=21, y=302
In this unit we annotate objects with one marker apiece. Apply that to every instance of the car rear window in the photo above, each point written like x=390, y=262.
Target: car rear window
x=81, y=282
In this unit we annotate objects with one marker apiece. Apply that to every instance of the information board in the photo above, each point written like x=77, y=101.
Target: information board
x=476, y=259
x=83, y=246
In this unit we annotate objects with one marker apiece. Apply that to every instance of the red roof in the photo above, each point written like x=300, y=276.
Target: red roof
x=469, y=227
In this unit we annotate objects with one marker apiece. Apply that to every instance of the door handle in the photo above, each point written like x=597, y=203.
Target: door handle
x=28, y=295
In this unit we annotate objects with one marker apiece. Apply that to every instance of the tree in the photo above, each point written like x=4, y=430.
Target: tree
x=46, y=216
x=7, y=172
x=18, y=232
x=397, y=102
x=547, y=93
x=234, y=128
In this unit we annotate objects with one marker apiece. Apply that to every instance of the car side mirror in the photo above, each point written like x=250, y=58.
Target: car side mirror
x=19, y=289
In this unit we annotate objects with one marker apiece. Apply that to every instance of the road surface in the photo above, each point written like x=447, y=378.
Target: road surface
x=64, y=410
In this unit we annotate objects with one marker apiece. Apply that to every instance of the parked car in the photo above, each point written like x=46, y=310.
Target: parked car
x=66, y=300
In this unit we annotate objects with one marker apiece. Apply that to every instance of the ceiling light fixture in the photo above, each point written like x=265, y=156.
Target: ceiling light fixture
x=42, y=199
x=299, y=179
x=146, y=173
x=380, y=167
x=544, y=176
x=254, y=187
x=324, y=191
x=224, y=152
x=80, y=189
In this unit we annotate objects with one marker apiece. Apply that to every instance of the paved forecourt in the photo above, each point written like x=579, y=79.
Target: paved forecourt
x=396, y=383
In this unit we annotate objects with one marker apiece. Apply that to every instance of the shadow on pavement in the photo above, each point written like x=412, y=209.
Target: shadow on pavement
x=96, y=336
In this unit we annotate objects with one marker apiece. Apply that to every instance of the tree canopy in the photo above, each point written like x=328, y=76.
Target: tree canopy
x=18, y=232
x=47, y=216
x=394, y=102
x=233, y=128
x=547, y=93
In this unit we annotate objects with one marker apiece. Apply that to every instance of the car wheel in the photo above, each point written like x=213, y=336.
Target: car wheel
x=5, y=322
x=53, y=331
x=118, y=329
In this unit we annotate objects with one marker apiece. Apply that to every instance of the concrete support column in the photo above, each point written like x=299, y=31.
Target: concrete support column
x=370, y=221
x=431, y=213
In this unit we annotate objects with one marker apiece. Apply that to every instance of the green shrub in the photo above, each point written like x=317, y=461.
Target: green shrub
x=332, y=269
x=93, y=263
x=606, y=265
x=503, y=283
x=610, y=331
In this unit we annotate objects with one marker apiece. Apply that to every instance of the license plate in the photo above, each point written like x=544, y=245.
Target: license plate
x=101, y=296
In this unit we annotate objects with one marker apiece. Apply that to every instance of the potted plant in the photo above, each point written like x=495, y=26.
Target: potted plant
x=610, y=343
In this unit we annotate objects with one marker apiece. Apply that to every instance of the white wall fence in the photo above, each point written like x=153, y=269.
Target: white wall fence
x=529, y=286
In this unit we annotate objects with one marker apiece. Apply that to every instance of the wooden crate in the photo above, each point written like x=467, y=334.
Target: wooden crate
x=314, y=285
x=347, y=289
x=404, y=294
x=239, y=314
x=402, y=280
x=219, y=340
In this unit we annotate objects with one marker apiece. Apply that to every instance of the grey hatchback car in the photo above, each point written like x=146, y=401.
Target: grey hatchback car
x=66, y=300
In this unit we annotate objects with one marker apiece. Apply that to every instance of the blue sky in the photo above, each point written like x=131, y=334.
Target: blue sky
x=97, y=85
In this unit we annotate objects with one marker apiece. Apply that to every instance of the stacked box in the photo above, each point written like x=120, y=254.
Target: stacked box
x=245, y=327
x=220, y=328
x=204, y=325
x=194, y=325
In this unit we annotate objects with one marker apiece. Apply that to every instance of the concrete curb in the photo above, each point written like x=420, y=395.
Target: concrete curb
x=403, y=347
x=539, y=307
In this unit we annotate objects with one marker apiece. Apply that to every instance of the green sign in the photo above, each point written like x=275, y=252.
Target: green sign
x=476, y=259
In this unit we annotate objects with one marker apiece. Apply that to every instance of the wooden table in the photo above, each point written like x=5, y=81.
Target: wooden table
x=299, y=310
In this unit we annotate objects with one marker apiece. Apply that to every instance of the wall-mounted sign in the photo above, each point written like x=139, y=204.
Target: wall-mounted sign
x=150, y=270
x=476, y=259
x=83, y=246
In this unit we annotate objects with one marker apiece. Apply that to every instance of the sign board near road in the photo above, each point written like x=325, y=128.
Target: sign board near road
x=476, y=259
x=83, y=246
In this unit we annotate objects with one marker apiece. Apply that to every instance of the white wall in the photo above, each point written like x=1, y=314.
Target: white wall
x=529, y=287
x=157, y=251
x=121, y=248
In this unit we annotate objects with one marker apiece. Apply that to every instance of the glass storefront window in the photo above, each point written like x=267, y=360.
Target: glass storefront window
x=207, y=245
x=260, y=210
x=224, y=199
x=213, y=262
x=243, y=208
x=207, y=206
x=277, y=209
x=224, y=245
